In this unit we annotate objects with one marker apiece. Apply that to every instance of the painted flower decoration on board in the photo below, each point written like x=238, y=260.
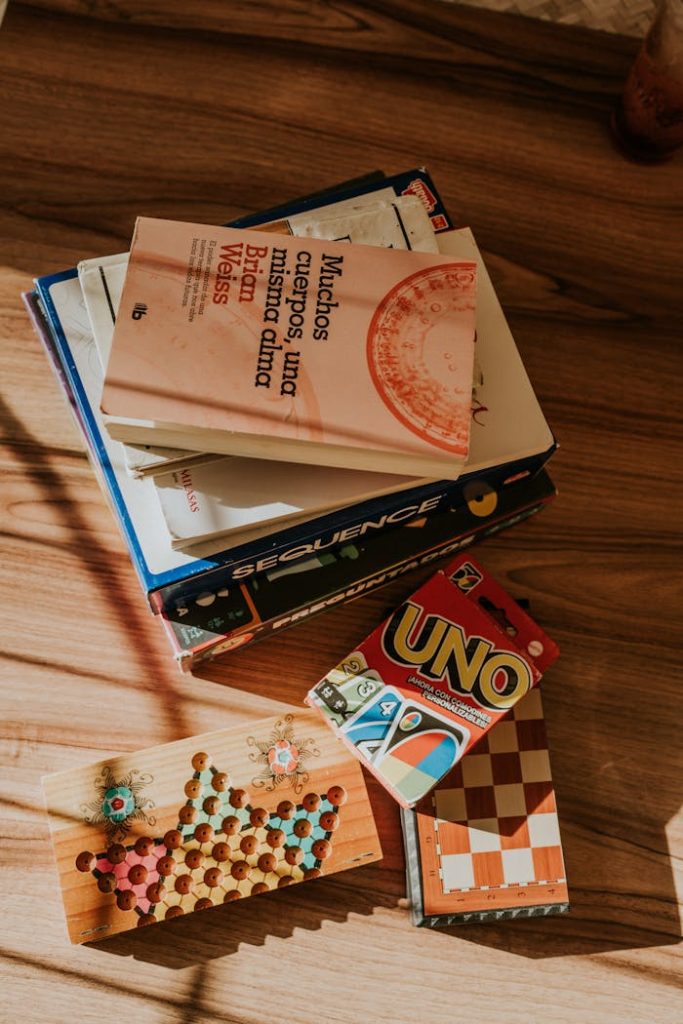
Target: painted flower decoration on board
x=119, y=803
x=283, y=756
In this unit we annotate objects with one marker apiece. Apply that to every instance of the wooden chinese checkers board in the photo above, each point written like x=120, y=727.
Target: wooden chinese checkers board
x=191, y=825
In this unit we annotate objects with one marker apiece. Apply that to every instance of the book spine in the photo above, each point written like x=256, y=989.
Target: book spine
x=56, y=344
x=229, y=618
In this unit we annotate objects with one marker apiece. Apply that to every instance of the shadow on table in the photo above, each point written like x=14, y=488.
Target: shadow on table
x=210, y=934
x=621, y=884
x=80, y=541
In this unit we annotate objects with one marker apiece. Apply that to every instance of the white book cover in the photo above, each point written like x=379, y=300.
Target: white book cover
x=507, y=416
x=222, y=498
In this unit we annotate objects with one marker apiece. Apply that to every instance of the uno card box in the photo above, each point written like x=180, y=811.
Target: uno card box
x=485, y=844
x=147, y=837
x=433, y=678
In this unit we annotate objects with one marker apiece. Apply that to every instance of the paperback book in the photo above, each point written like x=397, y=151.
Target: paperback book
x=231, y=342
x=375, y=218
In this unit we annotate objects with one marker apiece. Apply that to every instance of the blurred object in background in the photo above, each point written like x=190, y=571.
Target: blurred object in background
x=625, y=17
x=648, y=120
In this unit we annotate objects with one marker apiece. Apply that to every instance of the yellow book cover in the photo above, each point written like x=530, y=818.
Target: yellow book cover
x=302, y=350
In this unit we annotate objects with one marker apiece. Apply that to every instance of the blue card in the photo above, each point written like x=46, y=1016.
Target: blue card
x=370, y=726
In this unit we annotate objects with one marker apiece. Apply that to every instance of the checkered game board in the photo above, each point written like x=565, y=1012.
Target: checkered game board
x=487, y=840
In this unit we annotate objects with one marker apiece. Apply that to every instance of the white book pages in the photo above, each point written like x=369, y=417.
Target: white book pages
x=508, y=422
x=200, y=503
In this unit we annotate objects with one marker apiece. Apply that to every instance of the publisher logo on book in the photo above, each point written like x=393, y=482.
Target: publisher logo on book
x=139, y=310
x=419, y=188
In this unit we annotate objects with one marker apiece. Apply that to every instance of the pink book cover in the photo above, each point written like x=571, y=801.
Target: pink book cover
x=296, y=339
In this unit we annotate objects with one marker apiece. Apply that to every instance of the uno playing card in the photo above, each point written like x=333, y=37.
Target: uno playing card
x=421, y=746
x=369, y=728
x=348, y=687
x=431, y=680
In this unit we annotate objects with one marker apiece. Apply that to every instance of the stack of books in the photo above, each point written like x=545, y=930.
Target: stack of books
x=287, y=412
x=282, y=420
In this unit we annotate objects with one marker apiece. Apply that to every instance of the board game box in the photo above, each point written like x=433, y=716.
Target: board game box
x=147, y=837
x=227, y=618
x=432, y=680
x=485, y=844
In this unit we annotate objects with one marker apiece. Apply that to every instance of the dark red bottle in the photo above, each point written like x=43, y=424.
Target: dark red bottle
x=647, y=122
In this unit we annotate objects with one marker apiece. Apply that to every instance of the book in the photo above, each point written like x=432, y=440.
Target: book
x=232, y=342
x=397, y=221
x=485, y=845
x=431, y=681
x=101, y=282
x=223, y=498
x=227, y=618
x=145, y=837
x=175, y=575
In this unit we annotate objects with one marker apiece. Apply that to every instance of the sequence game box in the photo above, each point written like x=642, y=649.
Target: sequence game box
x=431, y=681
x=227, y=618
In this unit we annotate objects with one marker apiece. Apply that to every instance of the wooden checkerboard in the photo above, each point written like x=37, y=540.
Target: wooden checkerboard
x=488, y=837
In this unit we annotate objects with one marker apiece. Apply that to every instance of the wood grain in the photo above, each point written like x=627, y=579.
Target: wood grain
x=207, y=111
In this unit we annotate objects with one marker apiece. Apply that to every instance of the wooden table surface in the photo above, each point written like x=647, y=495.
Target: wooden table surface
x=207, y=111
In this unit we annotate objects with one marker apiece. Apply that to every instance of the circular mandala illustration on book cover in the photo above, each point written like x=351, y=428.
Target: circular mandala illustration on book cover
x=415, y=344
